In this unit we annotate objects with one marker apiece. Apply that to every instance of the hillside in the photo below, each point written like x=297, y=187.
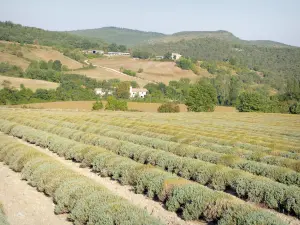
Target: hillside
x=30, y=35
x=118, y=35
x=28, y=83
x=22, y=55
x=153, y=71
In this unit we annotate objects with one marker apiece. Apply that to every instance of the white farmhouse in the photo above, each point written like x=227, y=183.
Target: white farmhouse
x=138, y=92
x=102, y=92
x=176, y=56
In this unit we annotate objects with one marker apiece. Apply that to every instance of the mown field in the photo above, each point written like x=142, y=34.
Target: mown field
x=217, y=168
x=87, y=106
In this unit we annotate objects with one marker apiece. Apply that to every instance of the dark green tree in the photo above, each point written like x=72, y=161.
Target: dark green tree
x=57, y=65
x=202, y=97
x=123, y=90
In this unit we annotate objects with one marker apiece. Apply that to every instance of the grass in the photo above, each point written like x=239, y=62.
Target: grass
x=28, y=83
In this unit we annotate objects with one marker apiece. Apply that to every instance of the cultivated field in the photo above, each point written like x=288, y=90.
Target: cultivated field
x=28, y=83
x=152, y=71
x=225, y=168
x=14, y=60
x=87, y=106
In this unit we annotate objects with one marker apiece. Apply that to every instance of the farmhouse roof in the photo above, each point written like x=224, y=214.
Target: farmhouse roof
x=139, y=90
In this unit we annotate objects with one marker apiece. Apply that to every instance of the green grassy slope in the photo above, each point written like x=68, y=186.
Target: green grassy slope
x=118, y=35
x=30, y=35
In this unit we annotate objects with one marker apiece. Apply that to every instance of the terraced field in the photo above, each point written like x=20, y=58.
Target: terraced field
x=199, y=168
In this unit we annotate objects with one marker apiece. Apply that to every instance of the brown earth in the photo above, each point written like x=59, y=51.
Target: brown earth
x=14, y=60
x=23, y=204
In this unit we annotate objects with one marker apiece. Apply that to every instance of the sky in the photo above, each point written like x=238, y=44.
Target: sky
x=276, y=20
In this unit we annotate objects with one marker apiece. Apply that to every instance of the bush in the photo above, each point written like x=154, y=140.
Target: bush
x=140, y=70
x=252, y=102
x=115, y=104
x=97, y=105
x=295, y=108
x=168, y=108
x=129, y=72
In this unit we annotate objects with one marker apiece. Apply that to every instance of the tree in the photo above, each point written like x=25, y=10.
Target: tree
x=295, y=108
x=202, y=97
x=168, y=108
x=168, y=56
x=123, y=90
x=122, y=48
x=113, y=47
x=116, y=105
x=252, y=102
x=57, y=65
x=97, y=105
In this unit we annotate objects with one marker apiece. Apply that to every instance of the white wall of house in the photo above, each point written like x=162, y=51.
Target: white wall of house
x=101, y=92
x=138, y=92
x=176, y=56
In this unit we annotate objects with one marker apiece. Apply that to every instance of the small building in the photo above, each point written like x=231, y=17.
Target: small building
x=158, y=57
x=102, y=92
x=176, y=56
x=93, y=52
x=138, y=92
x=118, y=54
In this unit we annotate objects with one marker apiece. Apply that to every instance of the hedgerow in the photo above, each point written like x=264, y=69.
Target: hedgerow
x=146, y=179
x=70, y=190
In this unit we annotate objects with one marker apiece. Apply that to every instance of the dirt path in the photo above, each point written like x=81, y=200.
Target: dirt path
x=156, y=209
x=23, y=204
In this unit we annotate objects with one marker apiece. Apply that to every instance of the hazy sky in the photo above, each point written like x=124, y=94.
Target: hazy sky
x=277, y=20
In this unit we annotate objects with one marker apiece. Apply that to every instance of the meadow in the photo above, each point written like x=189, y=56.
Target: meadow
x=216, y=168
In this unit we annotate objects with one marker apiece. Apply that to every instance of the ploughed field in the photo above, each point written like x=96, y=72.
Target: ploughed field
x=217, y=168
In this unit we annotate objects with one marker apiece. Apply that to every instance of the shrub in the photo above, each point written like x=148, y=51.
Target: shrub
x=168, y=108
x=295, y=108
x=129, y=72
x=140, y=70
x=97, y=105
x=115, y=104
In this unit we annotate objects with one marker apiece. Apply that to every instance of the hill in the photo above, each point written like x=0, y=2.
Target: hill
x=28, y=83
x=30, y=35
x=22, y=55
x=118, y=35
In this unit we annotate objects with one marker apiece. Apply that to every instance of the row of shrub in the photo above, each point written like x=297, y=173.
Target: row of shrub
x=195, y=138
x=254, y=188
x=129, y=128
x=3, y=220
x=86, y=201
x=193, y=200
x=280, y=174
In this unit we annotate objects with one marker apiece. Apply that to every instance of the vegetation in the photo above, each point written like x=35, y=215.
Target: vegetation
x=83, y=199
x=168, y=108
x=118, y=35
x=295, y=108
x=3, y=220
x=97, y=105
x=123, y=90
x=115, y=104
x=30, y=35
x=116, y=48
x=128, y=72
x=141, y=54
x=177, y=193
x=202, y=98
x=10, y=70
x=252, y=102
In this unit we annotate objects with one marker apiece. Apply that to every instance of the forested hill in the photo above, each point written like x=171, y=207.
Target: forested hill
x=30, y=35
x=275, y=62
x=118, y=35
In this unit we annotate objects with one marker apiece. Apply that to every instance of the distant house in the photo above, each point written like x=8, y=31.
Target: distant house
x=138, y=92
x=118, y=53
x=102, y=92
x=176, y=56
